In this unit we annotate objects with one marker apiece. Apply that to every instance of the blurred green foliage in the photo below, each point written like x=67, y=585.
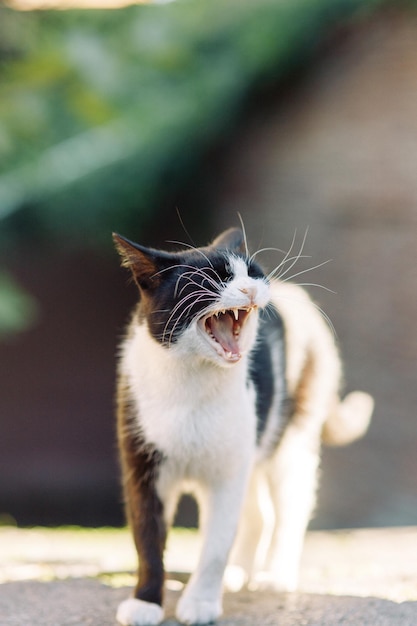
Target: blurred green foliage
x=17, y=309
x=104, y=112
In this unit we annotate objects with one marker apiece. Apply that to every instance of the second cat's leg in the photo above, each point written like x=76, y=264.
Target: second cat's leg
x=220, y=506
x=292, y=481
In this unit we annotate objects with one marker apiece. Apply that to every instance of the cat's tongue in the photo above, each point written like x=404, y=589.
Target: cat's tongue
x=226, y=331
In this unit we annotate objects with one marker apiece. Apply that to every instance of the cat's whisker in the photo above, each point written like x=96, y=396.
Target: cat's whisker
x=269, y=310
x=185, y=276
x=200, y=287
x=190, y=267
x=201, y=272
x=291, y=246
x=316, y=285
x=187, y=245
x=326, y=318
x=197, y=271
x=287, y=254
x=166, y=269
x=195, y=300
x=209, y=278
x=308, y=269
x=317, y=307
x=182, y=276
x=200, y=314
x=173, y=313
x=255, y=254
x=275, y=273
x=183, y=226
x=195, y=296
x=297, y=256
x=244, y=234
x=203, y=290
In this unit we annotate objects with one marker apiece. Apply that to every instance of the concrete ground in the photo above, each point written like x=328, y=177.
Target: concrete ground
x=77, y=578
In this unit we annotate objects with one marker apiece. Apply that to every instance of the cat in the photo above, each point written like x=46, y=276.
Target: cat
x=228, y=382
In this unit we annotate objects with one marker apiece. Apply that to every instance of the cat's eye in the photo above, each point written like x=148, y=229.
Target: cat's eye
x=223, y=273
x=226, y=275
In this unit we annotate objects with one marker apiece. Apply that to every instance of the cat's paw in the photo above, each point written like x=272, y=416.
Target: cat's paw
x=273, y=581
x=197, y=610
x=133, y=612
x=235, y=578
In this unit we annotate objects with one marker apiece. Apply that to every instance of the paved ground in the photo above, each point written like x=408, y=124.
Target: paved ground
x=77, y=578
x=89, y=602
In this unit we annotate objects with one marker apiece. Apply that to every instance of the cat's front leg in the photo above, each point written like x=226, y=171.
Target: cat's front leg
x=201, y=602
x=146, y=521
x=145, y=513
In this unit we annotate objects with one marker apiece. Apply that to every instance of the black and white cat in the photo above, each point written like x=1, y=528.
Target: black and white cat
x=228, y=384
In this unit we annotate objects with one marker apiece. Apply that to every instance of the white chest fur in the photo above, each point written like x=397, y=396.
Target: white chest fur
x=197, y=414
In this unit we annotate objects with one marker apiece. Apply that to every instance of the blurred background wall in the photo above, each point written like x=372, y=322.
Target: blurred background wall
x=299, y=115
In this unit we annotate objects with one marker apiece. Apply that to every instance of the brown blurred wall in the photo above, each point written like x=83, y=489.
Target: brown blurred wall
x=336, y=153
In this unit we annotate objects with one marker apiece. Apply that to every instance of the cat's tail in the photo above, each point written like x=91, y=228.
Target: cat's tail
x=349, y=420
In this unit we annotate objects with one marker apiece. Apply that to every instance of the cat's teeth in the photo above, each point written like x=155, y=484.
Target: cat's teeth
x=236, y=314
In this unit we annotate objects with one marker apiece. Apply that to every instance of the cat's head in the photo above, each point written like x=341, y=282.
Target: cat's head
x=201, y=301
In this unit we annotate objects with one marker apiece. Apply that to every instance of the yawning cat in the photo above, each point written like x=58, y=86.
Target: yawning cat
x=228, y=384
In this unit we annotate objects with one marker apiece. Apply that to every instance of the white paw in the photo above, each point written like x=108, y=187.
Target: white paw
x=197, y=611
x=235, y=578
x=272, y=581
x=133, y=612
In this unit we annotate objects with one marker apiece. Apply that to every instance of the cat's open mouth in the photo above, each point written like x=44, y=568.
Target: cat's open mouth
x=223, y=330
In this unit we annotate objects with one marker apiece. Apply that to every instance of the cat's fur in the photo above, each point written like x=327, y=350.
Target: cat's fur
x=229, y=406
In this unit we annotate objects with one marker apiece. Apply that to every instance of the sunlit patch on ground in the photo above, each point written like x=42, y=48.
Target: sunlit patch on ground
x=381, y=563
x=108, y=553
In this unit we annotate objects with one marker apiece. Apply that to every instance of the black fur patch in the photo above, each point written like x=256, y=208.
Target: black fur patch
x=261, y=371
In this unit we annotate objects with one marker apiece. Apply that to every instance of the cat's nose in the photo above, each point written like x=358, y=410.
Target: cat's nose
x=250, y=292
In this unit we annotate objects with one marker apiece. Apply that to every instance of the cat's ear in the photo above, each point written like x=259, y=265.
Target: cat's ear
x=144, y=263
x=232, y=239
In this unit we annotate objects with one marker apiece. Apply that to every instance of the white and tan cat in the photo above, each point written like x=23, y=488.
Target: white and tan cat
x=228, y=384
